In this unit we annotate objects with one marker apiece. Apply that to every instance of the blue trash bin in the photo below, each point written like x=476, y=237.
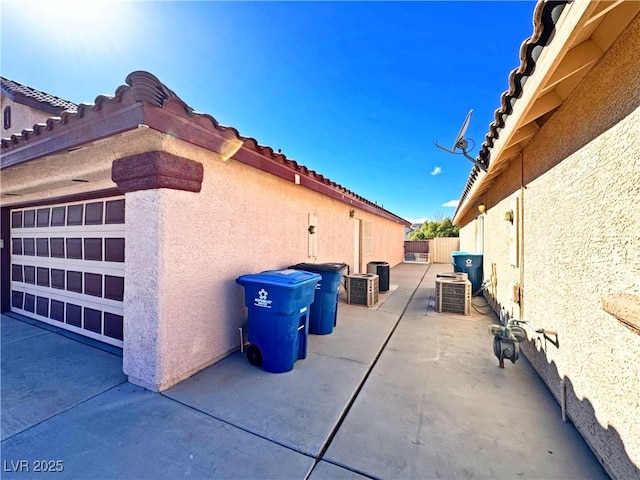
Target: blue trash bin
x=278, y=316
x=471, y=264
x=324, y=311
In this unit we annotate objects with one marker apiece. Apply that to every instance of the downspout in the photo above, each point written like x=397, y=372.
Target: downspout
x=521, y=226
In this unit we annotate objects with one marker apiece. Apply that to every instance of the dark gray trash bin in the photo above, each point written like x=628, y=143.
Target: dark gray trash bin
x=382, y=270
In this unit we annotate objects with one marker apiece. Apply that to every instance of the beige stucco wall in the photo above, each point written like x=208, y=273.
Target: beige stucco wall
x=468, y=237
x=242, y=221
x=581, y=241
x=22, y=117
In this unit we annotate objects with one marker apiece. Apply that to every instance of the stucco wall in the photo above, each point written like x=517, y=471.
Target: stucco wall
x=22, y=117
x=52, y=176
x=468, y=237
x=581, y=241
x=242, y=221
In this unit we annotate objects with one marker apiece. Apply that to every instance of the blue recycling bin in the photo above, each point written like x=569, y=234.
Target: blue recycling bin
x=324, y=311
x=471, y=264
x=278, y=316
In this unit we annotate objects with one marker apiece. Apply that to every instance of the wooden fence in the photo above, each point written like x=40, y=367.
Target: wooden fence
x=437, y=250
x=441, y=249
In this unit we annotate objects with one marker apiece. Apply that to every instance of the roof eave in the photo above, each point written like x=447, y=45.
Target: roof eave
x=146, y=102
x=567, y=54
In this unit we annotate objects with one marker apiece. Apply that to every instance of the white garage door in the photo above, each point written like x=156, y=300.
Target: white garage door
x=67, y=266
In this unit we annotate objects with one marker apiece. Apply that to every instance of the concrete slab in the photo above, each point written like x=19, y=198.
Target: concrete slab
x=129, y=432
x=40, y=380
x=297, y=409
x=437, y=406
x=12, y=330
x=358, y=335
x=314, y=394
x=397, y=302
x=434, y=405
x=328, y=471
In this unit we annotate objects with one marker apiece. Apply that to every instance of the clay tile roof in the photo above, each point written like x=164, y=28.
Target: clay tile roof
x=35, y=98
x=146, y=88
x=545, y=16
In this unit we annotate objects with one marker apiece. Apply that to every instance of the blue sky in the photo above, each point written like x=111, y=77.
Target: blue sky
x=357, y=91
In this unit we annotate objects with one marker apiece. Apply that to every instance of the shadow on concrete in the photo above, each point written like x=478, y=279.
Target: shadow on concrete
x=604, y=442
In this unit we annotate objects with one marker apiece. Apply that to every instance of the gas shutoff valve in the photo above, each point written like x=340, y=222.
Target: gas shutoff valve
x=506, y=339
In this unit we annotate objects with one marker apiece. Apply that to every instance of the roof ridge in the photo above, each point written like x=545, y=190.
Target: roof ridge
x=142, y=86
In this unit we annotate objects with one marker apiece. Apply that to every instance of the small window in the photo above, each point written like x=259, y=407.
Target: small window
x=6, y=118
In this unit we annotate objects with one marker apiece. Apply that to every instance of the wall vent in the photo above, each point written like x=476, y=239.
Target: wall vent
x=362, y=289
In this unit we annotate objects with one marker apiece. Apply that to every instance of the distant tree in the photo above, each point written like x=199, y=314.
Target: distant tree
x=435, y=228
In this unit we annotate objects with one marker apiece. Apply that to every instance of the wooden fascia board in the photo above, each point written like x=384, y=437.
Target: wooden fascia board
x=185, y=129
x=614, y=23
x=74, y=136
x=462, y=210
x=573, y=17
x=507, y=155
x=31, y=102
x=524, y=133
x=550, y=59
x=576, y=60
x=540, y=106
x=601, y=10
x=257, y=160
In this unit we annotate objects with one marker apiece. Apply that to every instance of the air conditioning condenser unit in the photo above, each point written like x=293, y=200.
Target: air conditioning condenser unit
x=453, y=295
x=362, y=289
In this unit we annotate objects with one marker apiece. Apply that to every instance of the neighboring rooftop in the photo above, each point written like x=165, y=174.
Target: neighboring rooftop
x=35, y=98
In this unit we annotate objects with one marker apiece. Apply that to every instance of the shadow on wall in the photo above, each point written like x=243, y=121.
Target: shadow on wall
x=604, y=442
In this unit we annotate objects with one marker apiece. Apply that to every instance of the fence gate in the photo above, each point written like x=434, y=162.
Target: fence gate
x=416, y=251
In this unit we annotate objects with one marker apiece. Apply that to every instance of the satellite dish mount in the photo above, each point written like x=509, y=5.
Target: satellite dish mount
x=462, y=143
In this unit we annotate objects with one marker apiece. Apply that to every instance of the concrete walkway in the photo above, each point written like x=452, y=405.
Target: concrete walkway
x=396, y=391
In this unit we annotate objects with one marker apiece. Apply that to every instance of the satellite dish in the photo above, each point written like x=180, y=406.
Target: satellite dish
x=462, y=143
x=460, y=138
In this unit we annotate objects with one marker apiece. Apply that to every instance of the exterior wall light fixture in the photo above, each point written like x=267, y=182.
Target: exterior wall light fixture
x=352, y=213
x=482, y=208
x=508, y=216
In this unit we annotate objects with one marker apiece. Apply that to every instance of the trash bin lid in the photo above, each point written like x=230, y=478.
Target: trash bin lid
x=465, y=254
x=379, y=264
x=320, y=267
x=288, y=278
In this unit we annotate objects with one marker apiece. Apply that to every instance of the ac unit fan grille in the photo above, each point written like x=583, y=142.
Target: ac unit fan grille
x=362, y=289
x=453, y=296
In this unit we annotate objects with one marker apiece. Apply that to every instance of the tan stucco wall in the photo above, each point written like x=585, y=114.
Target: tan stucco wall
x=242, y=221
x=22, y=117
x=581, y=241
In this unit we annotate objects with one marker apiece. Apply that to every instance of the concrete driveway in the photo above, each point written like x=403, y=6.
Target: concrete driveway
x=396, y=391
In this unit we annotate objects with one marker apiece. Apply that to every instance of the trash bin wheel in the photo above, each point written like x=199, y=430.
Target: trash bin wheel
x=254, y=355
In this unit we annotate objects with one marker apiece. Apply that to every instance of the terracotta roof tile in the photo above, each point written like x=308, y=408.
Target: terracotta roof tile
x=144, y=87
x=545, y=16
x=17, y=91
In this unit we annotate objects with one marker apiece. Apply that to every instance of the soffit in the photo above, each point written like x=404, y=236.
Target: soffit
x=577, y=39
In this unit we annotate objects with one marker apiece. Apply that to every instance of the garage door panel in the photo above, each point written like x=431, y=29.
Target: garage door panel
x=67, y=266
